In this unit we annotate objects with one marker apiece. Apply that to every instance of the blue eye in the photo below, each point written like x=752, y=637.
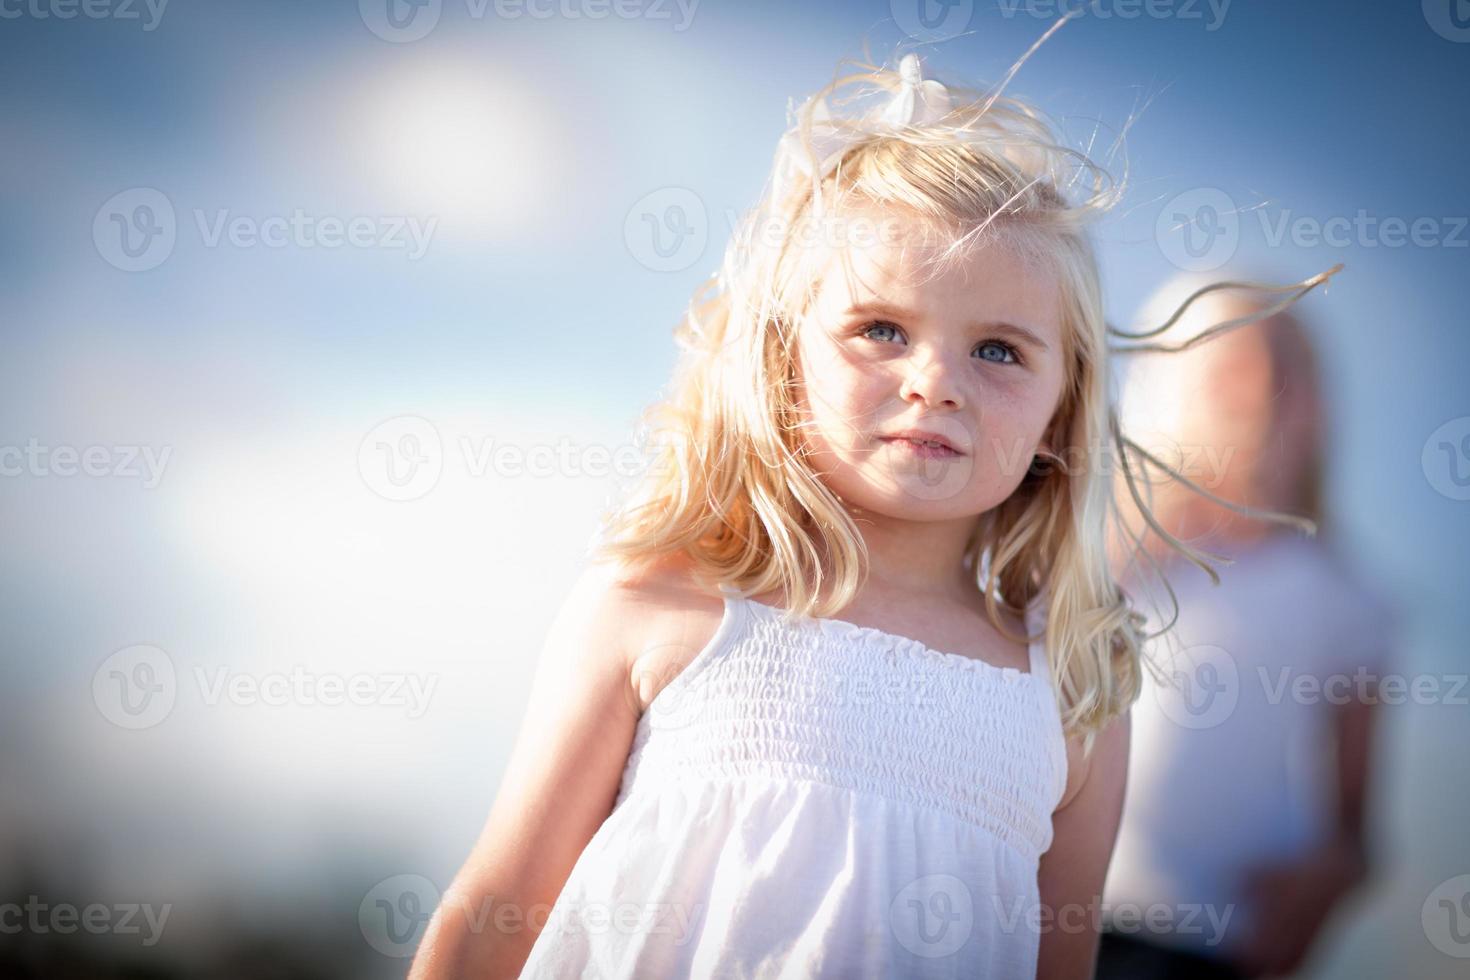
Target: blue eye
x=879, y=326
x=1010, y=354
x=1005, y=348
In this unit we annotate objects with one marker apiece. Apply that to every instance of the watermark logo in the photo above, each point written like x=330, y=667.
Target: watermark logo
x=400, y=21
x=932, y=20
x=671, y=688
x=1445, y=917
x=395, y=913
x=1198, y=230
x=933, y=916
x=1450, y=19
x=667, y=230
x=935, y=478
x=135, y=229
x=135, y=687
x=1446, y=459
x=1203, y=688
x=664, y=688
x=401, y=459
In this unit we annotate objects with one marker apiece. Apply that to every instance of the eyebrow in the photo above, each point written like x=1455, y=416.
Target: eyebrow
x=880, y=308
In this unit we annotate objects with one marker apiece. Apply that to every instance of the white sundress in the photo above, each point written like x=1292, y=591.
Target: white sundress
x=821, y=799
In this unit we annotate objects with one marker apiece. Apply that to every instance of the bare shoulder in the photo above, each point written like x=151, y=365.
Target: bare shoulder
x=669, y=619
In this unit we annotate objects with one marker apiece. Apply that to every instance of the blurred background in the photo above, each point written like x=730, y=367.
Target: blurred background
x=326, y=326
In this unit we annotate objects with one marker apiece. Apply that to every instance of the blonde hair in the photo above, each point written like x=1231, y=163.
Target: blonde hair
x=729, y=485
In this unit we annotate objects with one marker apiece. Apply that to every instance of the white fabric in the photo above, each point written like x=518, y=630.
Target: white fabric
x=1244, y=775
x=819, y=799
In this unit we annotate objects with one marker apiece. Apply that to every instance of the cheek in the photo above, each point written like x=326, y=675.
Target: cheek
x=1006, y=404
x=1012, y=421
x=840, y=396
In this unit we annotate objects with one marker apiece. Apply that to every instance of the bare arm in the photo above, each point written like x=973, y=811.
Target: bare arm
x=560, y=784
x=1297, y=899
x=1070, y=879
x=1353, y=724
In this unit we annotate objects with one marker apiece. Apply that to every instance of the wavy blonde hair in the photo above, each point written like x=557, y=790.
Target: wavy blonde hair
x=730, y=486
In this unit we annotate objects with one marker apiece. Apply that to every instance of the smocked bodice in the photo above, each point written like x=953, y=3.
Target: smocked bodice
x=865, y=710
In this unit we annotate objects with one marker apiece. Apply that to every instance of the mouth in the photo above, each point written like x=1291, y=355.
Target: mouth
x=924, y=445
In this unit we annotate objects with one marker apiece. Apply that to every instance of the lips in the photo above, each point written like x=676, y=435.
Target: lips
x=923, y=437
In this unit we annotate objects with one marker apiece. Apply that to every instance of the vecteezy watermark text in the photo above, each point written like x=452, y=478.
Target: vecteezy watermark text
x=402, y=458
x=403, y=21
x=136, y=230
x=63, y=918
x=36, y=459
x=137, y=687
x=395, y=912
x=300, y=686
x=1204, y=684
x=1210, y=12
x=90, y=9
x=1364, y=685
x=1187, y=918
x=1200, y=229
x=667, y=230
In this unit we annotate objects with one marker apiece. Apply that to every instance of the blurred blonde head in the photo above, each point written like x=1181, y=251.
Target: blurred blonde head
x=1242, y=414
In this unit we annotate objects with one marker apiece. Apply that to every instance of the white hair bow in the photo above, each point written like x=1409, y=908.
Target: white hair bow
x=918, y=102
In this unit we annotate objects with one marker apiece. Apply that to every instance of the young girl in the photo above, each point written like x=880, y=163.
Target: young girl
x=717, y=776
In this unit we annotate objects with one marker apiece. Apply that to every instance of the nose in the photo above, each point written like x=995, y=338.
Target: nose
x=931, y=379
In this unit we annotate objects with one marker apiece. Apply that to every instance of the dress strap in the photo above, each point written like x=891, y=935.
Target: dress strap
x=734, y=601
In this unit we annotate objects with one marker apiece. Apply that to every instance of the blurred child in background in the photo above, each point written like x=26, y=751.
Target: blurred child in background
x=1243, y=829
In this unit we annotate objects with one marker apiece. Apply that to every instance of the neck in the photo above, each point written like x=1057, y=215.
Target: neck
x=919, y=559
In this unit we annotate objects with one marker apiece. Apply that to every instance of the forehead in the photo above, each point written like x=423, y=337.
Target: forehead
x=906, y=267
